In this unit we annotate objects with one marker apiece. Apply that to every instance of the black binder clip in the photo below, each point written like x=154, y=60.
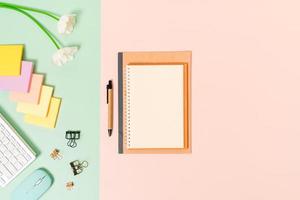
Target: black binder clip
x=78, y=166
x=72, y=136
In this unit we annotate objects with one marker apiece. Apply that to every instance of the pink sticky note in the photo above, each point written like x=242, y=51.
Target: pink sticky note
x=18, y=83
x=33, y=96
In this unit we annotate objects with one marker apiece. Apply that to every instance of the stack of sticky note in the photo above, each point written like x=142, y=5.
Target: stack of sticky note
x=26, y=88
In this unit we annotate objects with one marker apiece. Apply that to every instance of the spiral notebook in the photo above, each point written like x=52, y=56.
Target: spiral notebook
x=154, y=103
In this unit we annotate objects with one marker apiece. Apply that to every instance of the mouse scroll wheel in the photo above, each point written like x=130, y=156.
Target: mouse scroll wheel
x=39, y=181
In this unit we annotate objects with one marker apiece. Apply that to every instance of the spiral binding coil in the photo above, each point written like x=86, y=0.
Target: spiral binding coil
x=127, y=106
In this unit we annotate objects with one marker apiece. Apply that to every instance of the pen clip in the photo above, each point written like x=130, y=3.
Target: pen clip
x=107, y=86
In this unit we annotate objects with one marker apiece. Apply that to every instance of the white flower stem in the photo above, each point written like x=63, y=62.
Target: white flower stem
x=50, y=14
x=48, y=33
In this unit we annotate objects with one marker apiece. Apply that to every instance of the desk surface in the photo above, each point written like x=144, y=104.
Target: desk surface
x=245, y=99
x=76, y=83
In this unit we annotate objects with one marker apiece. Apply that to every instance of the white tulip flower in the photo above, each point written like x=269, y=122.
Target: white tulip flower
x=64, y=55
x=66, y=24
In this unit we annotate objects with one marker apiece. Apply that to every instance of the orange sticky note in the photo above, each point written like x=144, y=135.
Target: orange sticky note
x=33, y=96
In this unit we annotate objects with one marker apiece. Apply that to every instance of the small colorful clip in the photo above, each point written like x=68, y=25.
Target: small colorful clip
x=72, y=136
x=78, y=166
x=70, y=185
x=55, y=154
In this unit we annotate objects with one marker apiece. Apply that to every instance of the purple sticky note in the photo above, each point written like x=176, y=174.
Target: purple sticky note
x=18, y=83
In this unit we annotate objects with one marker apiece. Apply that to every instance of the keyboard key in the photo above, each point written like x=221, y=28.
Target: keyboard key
x=2, y=181
x=2, y=148
x=2, y=127
x=7, y=154
x=5, y=140
x=3, y=160
x=13, y=159
x=18, y=165
x=11, y=167
x=5, y=171
x=6, y=133
x=10, y=146
x=21, y=159
x=15, y=152
x=27, y=156
x=1, y=135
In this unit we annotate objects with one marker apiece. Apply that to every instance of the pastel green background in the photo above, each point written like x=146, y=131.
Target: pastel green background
x=77, y=83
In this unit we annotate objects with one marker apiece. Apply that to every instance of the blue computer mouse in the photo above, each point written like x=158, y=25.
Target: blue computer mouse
x=34, y=186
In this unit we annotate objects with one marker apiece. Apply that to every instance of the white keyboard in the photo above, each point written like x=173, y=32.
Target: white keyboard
x=15, y=154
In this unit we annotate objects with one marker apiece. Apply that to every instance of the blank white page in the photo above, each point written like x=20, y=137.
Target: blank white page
x=155, y=106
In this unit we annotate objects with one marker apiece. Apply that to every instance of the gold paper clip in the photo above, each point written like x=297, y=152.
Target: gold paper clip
x=55, y=154
x=70, y=185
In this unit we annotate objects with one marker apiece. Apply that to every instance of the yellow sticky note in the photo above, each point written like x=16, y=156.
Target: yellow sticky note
x=50, y=120
x=10, y=60
x=40, y=109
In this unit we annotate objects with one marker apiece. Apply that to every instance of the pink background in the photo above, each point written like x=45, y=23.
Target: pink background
x=245, y=99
